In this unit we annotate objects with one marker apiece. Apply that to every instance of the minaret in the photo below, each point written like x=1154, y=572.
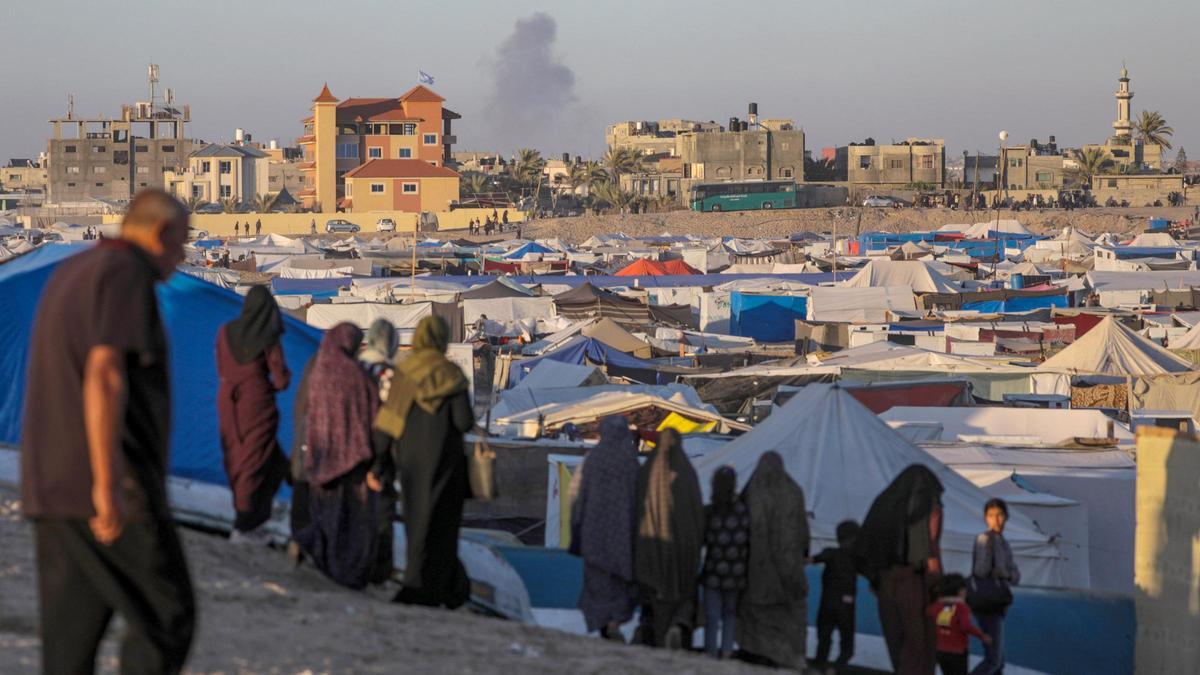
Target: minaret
x=1123, y=128
x=325, y=149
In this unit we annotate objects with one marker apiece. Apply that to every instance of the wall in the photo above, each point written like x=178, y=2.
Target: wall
x=1138, y=190
x=292, y=224
x=433, y=194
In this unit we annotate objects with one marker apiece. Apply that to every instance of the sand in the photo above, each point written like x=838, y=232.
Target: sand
x=257, y=615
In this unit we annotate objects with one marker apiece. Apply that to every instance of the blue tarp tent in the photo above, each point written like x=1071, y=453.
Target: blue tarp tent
x=1017, y=303
x=766, y=318
x=318, y=288
x=532, y=247
x=192, y=310
x=580, y=350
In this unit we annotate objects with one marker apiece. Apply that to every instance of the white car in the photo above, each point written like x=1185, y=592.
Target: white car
x=879, y=201
x=385, y=225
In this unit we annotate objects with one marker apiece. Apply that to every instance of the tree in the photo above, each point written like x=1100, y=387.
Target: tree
x=1152, y=129
x=621, y=161
x=1181, y=160
x=527, y=169
x=610, y=193
x=263, y=203
x=195, y=203
x=229, y=205
x=475, y=183
x=1089, y=163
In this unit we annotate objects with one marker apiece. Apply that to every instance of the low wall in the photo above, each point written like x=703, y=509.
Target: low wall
x=221, y=224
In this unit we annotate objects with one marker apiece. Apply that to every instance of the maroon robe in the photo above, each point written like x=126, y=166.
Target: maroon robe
x=249, y=421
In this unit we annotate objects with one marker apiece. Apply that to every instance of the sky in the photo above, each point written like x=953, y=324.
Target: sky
x=552, y=75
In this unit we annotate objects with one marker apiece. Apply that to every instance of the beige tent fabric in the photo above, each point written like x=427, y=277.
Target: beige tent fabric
x=1189, y=340
x=612, y=334
x=915, y=274
x=1167, y=392
x=1112, y=349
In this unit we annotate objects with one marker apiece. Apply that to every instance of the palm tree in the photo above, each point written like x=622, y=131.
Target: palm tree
x=619, y=161
x=577, y=175
x=609, y=192
x=263, y=203
x=1152, y=129
x=195, y=203
x=1089, y=163
x=526, y=171
x=475, y=183
x=229, y=205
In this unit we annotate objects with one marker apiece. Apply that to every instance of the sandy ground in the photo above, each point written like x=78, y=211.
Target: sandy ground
x=257, y=615
x=845, y=220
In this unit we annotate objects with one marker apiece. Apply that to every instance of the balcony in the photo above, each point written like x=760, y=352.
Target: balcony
x=307, y=166
x=306, y=140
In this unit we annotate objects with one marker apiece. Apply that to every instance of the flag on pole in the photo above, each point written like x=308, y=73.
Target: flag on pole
x=424, y=77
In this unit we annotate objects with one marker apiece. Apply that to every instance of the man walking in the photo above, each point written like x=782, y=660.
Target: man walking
x=94, y=452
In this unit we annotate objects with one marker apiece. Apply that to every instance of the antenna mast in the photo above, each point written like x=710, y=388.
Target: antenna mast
x=152, y=73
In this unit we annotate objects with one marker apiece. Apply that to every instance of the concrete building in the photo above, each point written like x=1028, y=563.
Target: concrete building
x=217, y=172
x=23, y=175
x=1037, y=166
x=915, y=161
x=411, y=185
x=341, y=136
x=111, y=159
x=654, y=137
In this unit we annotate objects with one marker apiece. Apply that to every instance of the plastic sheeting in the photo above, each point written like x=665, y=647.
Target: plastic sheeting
x=362, y=314
x=1112, y=349
x=843, y=456
x=766, y=318
x=917, y=275
x=192, y=312
x=508, y=309
x=859, y=305
x=1049, y=427
x=580, y=350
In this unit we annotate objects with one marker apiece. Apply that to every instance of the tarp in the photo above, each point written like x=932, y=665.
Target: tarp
x=588, y=301
x=613, y=335
x=858, y=304
x=1112, y=349
x=1047, y=426
x=317, y=288
x=580, y=350
x=500, y=288
x=880, y=397
x=915, y=274
x=362, y=314
x=507, y=309
x=530, y=249
x=192, y=312
x=766, y=318
x=843, y=456
x=684, y=425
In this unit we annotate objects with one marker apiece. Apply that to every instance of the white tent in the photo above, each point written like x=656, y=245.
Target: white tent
x=982, y=230
x=362, y=314
x=1190, y=339
x=1155, y=240
x=912, y=273
x=1038, y=426
x=843, y=456
x=1112, y=349
x=859, y=304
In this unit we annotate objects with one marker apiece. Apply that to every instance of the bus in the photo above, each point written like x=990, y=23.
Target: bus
x=743, y=195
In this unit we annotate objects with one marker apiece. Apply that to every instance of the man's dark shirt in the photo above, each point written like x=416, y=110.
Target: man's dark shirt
x=104, y=296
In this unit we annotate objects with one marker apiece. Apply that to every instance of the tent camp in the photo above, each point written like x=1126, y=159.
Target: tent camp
x=587, y=301
x=1112, y=349
x=985, y=230
x=643, y=267
x=843, y=456
x=192, y=311
x=915, y=274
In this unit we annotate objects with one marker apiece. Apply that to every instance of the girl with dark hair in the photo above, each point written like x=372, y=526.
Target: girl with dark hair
x=993, y=559
x=727, y=549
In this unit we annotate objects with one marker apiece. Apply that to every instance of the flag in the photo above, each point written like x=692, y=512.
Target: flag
x=424, y=77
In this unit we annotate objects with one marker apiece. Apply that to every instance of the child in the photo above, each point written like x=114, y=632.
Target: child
x=839, y=586
x=952, y=618
x=727, y=544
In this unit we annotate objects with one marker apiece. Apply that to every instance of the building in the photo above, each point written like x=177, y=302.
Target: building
x=341, y=136
x=23, y=175
x=217, y=172
x=654, y=138
x=1121, y=147
x=111, y=159
x=911, y=163
x=412, y=185
x=1037, y=166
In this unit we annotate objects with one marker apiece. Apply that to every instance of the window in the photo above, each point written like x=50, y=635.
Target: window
x=197, y=191
x=375, y=153
x=99, y=169
x=205, y=167
x=120, y=156
x=14, y=177
x=377, y=188
x=895, y=164
x=141, y=185
x=168, y=148
x=72, y=169
x=347, y=150
x=141, y=148
x=785, y=172
x=405, y=153
x=410, y=188
x=1112, y=182
x=409, y=129
x=225, y=167
x=1016, y=162
x=69, y=148
x=1044, y=176
x=433, y=162
x=226, y=191
x=99, y=184
x=926, y=161
x=70, y=185
x=429, y=139
x=864, y=162
x=143, y=169
x=99, y=148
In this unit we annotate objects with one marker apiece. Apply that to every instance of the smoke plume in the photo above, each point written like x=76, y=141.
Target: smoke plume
x=533, y=92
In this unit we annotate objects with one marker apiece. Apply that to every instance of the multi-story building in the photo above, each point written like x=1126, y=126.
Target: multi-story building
x=400, y=185
x=655, y=137
x=217, y=172
x=23, y=175
x=341, y=136
x=916, y=161
x=745, y=154
x=111, y=159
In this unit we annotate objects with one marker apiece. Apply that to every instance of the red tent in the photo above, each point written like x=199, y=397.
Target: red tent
x=642, y=267
x=678, y=266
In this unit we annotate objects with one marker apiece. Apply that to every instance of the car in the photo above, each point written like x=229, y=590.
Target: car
x=385, y=225
x=210, y=208
x=340, y=225
x=880, y=201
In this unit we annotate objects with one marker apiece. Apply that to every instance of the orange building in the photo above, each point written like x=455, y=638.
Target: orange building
x=400, y=185
x=342, y=136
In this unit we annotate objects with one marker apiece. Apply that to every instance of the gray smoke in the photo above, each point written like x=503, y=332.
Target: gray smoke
x=533, y=93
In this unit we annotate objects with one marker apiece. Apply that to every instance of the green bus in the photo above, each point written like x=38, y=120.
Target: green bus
x=743, y=195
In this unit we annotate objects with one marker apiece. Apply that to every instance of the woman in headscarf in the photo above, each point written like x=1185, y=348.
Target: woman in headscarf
x=602, y=521
x=899, y=549
x=420, y=431
x=251, y=369
x=669, y=537
x=376, y=356
x=376, y=360
x=773, y=612
x=340, y=537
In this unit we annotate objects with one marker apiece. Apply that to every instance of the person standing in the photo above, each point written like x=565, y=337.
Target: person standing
x=773, y=612
x=603, y=518
x=94, y=451
x=419, y=436
x=992, y=558
x=257, y=226
x=900, y=549
x=251, y=369
x=669, y=538
x=376, y=359
x=312, y=228
x=727, y=549
x=839, y=592
x=954, y=628
x=340, y=535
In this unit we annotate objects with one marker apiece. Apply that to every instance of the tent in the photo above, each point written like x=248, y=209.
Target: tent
x=1112, y=349
x=859, y=304
x=587, y=301
x=1189, y=340
x=192, y=311
x=502, y=287
x=843, y=456
x=766, y=318
x=530, y=249
x=612, y=334
x=915, y=274
x=985, y=230
x=644, y=267
x=580, y=350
